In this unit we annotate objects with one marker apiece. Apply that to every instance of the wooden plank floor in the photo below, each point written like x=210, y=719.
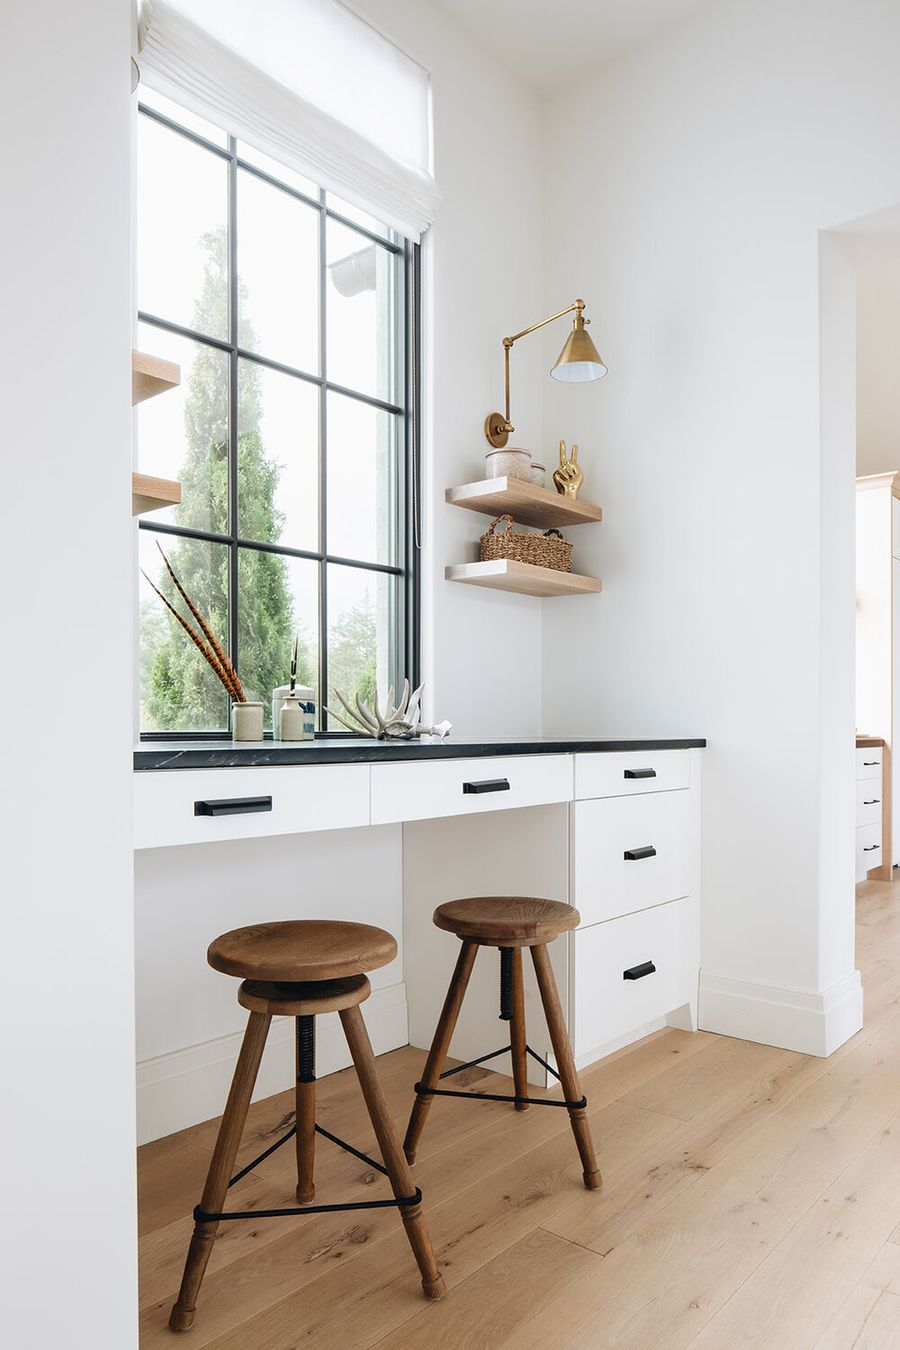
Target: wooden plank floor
x=751, y=1198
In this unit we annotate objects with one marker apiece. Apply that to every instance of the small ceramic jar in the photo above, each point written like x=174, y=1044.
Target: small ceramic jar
x=291, y=716
x=307, y=703
x=246, y=721
x=508, y=463
x=538, y=474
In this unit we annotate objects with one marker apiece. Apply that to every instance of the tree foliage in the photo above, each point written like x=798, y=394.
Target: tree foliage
x=179, y=691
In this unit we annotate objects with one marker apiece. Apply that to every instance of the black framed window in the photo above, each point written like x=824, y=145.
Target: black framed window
x=293, y=433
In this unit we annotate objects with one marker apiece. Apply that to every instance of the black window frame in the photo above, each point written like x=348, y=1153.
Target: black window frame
x=407, y=570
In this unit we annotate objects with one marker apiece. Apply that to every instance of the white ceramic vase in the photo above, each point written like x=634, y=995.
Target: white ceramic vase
x=290, y=720
x=246, y=721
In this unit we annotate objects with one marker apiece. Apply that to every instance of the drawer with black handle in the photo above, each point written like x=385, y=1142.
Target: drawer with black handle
x=627, y=974
x=868, y=849
x=458, y=787
x=628, y=853
x=620, y=773
x=199, y=806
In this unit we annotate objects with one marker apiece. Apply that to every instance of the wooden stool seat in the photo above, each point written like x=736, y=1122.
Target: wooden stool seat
x=303, y=1000
x=301, y=951
x=506, y=920
x=301, y=968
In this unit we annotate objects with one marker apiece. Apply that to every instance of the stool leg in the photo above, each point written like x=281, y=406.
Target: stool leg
x=517, y=1031
x=439, y=1046
x=220, y=1167
x=559, y=1039
x=305, y=1100
x=396, y=1164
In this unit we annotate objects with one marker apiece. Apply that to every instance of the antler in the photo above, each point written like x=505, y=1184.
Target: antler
x=400, y=722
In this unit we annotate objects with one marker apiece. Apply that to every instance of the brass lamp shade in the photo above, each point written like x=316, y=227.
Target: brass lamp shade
x=579, y=359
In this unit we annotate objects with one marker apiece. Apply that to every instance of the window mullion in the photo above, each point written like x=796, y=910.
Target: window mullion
x=323, y=471
x=233, y=403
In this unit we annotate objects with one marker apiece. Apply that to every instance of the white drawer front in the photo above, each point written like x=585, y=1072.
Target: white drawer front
x=868, y=802
x=612, y=871
x=868, y=848
x=868, y=762
x=457, y=787
x=608, y=1006
x=621, y=774
x=303, y=798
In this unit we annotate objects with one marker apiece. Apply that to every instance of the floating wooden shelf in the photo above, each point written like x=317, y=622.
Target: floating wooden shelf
x=152, y=375
x=505, y=575
x=151, y=494
x=525, y=502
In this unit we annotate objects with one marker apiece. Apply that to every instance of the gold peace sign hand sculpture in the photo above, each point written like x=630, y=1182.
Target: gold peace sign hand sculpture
x=568, y=478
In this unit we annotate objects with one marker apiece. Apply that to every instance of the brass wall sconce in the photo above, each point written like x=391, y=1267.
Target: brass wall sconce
x=578, y=361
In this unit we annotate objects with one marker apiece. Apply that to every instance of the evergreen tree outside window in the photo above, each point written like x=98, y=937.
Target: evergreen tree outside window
x=290, y=315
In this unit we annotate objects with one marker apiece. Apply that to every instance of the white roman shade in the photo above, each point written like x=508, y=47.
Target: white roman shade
x=309, y=83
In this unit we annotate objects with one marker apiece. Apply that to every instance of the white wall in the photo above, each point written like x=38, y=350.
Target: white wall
x=65, y=667
x=878, y=363
x=700, y=172
x=482, y=267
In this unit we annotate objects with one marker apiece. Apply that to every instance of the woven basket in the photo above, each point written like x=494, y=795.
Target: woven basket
x=543, y=550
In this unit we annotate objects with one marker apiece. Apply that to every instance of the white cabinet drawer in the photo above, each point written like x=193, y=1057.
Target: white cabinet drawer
x=629, y=853
x=868, y=802
x=457, y=787
x=868, y=762
x=868, y=848
x=621, y=774
x=169, y=804
x=606, y=1005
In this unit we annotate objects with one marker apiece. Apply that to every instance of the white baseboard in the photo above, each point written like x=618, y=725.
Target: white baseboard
x=186, y=1086
x=814, y=1024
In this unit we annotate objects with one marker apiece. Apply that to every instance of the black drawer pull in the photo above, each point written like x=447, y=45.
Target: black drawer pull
x=488, y=785
x=635, y=854
x=638, y=972
x=233, y=806
x=873, y=801
x=869, y=763
x=640, y=773
x=867, y=848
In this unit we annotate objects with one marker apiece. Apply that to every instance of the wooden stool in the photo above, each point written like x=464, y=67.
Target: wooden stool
x=509, y=922
x=300, y=969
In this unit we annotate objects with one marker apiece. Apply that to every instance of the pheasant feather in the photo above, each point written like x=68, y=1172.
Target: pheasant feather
x=207, y=652
x=224, y=661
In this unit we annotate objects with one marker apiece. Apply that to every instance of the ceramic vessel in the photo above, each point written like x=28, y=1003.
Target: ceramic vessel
x=291, y=716
x=538, y=474
x=508, y=463
x=246, y=721
x=307, y=701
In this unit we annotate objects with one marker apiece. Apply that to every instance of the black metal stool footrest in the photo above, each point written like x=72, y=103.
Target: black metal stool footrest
x=205, y=1216
x=422, y=1091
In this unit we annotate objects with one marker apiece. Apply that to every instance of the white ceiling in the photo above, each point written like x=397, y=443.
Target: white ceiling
x=550, y=43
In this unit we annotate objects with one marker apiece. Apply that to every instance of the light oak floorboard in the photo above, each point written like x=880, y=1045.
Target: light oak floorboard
x=499, y=1298
x=870, y=1317
x=751, y=1198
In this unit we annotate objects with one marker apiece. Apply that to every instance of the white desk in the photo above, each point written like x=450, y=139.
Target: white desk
x=556, y=824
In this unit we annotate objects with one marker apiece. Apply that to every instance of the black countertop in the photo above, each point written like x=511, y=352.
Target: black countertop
x=226, y=754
